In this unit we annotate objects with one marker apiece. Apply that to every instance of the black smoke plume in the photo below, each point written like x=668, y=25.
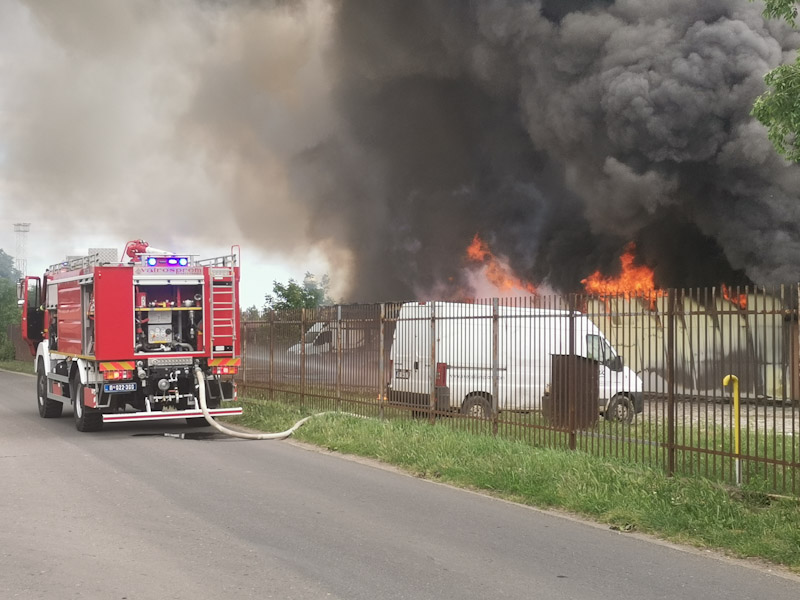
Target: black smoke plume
x=386, y=134
x=561, y=131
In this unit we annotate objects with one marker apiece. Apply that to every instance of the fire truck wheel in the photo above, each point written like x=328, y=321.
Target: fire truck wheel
x=197, y=422
x=86, y=419
x=477, y=406
x=620, y=409
x=48, y=409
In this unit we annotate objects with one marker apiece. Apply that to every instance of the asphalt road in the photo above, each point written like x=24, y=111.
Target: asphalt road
x=116, y=515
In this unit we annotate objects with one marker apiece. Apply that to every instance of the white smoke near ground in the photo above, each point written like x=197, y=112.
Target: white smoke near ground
x=384, y=135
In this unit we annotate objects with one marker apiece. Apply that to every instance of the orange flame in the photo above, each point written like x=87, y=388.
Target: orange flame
x=739, y=300
x=633, y=280
x=497, y=273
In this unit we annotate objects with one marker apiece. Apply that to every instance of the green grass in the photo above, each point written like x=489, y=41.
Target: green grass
x=742, y=522
x=708, y=450
x=19, y=366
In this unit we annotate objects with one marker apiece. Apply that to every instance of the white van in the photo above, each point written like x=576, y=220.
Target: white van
x=322, y=338
x=527, y=339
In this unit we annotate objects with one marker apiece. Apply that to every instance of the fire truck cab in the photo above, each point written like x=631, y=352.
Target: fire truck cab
x=121, y=341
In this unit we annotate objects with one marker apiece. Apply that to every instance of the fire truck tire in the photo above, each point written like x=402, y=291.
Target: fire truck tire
x=197, y=422
x=48, y=409
x=86, y=419
x=477, y=406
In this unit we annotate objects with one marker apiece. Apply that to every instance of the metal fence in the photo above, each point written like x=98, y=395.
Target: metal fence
x=21, y=349
x=636, y=377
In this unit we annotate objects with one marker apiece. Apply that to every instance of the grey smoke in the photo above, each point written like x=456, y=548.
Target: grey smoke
x=388, y=133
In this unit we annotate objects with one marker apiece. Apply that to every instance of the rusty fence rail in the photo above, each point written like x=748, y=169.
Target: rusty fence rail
x=636, y=377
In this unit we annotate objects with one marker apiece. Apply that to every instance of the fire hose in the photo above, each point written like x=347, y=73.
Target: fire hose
x=201, y=384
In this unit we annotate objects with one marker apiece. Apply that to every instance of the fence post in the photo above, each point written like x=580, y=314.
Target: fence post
x=302, y=357
x=339, y=357
x=795, y=354
x=432, y=372
x=671, y=382
x=381, y=359
x=244, y=353
x=272, y=355
x=571, y=374
x=495, y=362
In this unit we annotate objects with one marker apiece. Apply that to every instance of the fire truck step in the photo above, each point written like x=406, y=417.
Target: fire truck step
x=168, y=415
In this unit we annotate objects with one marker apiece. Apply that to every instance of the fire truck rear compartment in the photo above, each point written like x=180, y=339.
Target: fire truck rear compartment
x=168, y=318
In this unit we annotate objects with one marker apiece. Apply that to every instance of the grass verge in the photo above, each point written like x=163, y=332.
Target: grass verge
x=19, y=366
x=741, y=522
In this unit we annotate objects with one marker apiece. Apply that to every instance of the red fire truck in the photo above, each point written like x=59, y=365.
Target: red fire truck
x=120, y=341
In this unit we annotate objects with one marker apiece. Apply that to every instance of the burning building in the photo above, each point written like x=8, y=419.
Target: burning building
x=752, y=332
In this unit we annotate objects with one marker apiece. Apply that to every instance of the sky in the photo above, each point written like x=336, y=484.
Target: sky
x=90, y=152
x=371, y=141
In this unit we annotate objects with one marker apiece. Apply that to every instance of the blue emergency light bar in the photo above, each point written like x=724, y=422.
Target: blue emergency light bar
x=171, y=261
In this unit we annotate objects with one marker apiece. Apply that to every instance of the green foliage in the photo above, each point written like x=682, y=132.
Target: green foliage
x=9, y=314
x=310, y=294
x=251, y=313
x=7, y=270
x=9, y=310
x=781, y=9
x=778, y=109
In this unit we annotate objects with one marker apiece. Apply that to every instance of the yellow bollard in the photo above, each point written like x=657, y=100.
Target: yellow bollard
x=736, y=423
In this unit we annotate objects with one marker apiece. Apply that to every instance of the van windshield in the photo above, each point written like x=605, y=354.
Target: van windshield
x=311, y=335
x=599, y=349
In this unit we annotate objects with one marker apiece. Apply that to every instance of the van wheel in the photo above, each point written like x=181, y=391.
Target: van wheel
x=86, y=419
x=48, y=409
x=620, y=409
x=477, y=406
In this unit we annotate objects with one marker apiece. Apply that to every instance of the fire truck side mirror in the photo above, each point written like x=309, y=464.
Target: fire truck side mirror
x=21, y=292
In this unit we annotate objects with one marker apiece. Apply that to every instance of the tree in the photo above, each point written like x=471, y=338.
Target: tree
x=310, y=294
x=781, y=9
x=9, y=309
x=7, y=269
x=251, y=313
x=779, y=107
x=9, y=314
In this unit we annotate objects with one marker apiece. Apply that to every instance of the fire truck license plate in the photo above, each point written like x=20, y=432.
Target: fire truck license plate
x=119, y=387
